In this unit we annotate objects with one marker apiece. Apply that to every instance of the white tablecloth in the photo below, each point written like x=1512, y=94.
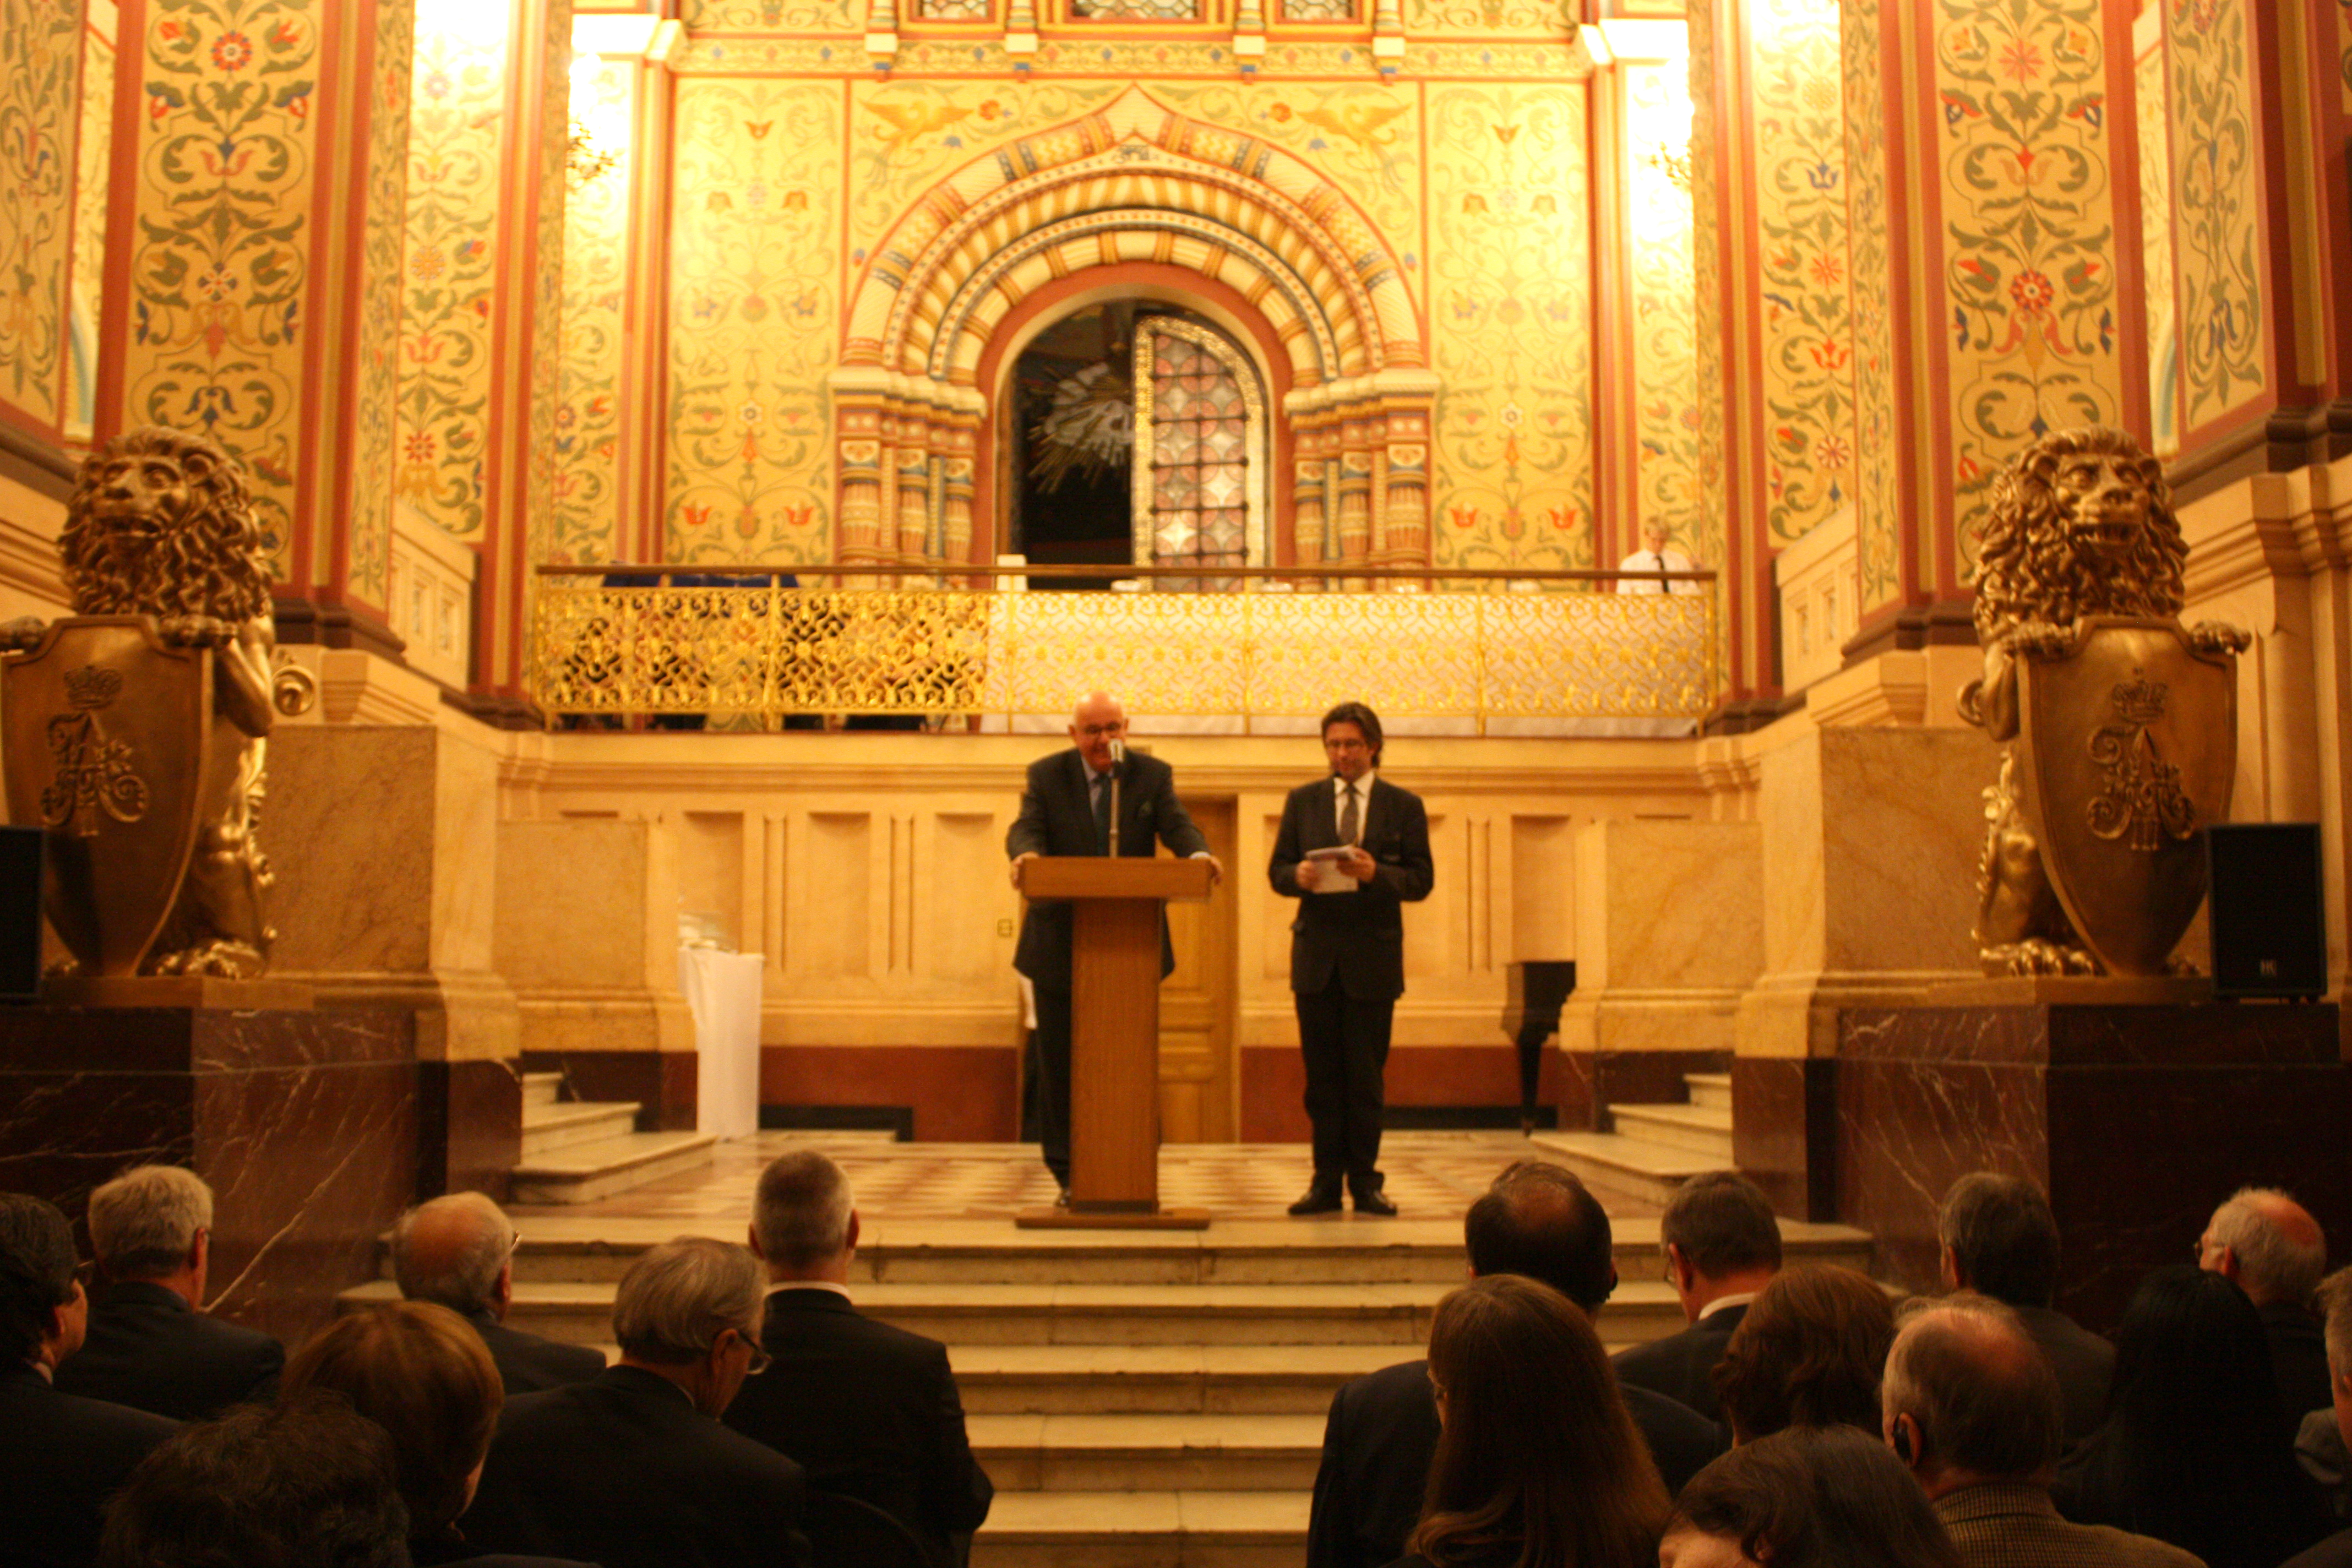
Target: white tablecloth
x=722, y=990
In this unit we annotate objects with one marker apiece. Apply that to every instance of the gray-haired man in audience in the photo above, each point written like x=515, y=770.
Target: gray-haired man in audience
x=151, y=1344
x=2269, y=1246
x=458, y=1252
x=2336, y=1301
x=1972, y=1406
x=1722, y=1244
x=2001, y=1240
x=633, y=1469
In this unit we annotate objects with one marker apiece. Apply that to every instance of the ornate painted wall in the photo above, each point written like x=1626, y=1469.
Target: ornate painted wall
x=2218, y=250
x=585, y=522
x=40, y=72
x=92, y=157
x=1665, y=356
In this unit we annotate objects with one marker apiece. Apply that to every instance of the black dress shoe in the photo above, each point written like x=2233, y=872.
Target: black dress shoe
x=1374, y=1200
x=1323, y=1197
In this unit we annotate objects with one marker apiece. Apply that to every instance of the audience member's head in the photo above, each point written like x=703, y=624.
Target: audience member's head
x=2266, y=1244
x=43, y=1313
x=1537, y=1219
x=1720, y=1237
x=1808, y=1497
x=422, y=1373
x=1968, y=1398
x=2000, y=1239
x=689, y=1310
x=803, y=1222
x=2336, y=1304
x=1808, y=1353
x=1537, y=1445
x=307, y=1483
x=153, y=1224
x=457, y=1252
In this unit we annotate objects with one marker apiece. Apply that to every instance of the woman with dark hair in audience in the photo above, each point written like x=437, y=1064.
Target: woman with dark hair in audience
x=2194, y=1450
x=1811, y=1496
x=1537, y=1465
x=1808, y=1353
x=422, y=1373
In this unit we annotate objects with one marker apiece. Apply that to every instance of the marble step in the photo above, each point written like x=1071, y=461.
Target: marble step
x=1229, y=1379
x=1710, y=1089
x=1391, y=1315
x=1703, y=1129
x=584, y=1172
x=563, y=1247
x=547, y=1128
x=1123, y=1529
x=1157, y=1452
x=540, y=1089
x=1616, y=1166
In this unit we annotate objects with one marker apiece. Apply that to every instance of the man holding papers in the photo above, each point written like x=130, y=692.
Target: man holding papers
x=1353, y=850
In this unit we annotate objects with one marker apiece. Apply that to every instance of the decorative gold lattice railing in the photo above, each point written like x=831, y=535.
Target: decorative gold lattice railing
x=1478, y=646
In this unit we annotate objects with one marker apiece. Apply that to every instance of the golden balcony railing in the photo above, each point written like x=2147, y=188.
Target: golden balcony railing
x=1478, y=646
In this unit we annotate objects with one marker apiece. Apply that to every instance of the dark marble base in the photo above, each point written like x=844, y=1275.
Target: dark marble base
x=2137, y=1120
x=1590, y=1082
x=303, y=1122
x=1274, y=1085
x=468, y=1127
x=663, y=1083
x=964, y=1094
x=1784, y=1131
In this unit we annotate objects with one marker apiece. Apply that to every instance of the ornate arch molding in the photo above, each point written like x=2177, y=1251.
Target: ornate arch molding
x=1134, y=183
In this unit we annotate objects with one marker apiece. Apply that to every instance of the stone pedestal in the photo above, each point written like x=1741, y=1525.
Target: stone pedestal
x=2137, y=1120
x=304, y=1123
x=587, y=934
x=384, y=837
x=1670, y=932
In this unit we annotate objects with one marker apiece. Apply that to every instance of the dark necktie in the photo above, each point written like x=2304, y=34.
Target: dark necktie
x=1347, y=826
x=1102, y=811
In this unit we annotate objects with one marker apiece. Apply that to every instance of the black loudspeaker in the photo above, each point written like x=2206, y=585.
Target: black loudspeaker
x=20, y=913
x=2268, y=923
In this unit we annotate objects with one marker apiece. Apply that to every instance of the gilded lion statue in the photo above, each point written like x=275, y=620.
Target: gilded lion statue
x=163, y=561
x=2081, y=537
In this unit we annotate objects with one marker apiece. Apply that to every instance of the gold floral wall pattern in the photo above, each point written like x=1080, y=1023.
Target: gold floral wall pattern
x=92, y=156
x=1667, y=455
x=2216, y=260
x=1509, y=320
x=1878, y=486
x=585, y=524
x=755, y=307
x=40, y=59
x=376, y=459
x=455, y=118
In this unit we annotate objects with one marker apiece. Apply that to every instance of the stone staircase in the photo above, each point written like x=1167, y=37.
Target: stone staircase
x=1650, y=1150
x=1138, y=1398
x=576, y=1152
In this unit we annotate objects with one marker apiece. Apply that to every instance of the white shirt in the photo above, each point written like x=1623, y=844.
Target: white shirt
x=1363, y=800
x=1725, y=1303
x=1666, y=560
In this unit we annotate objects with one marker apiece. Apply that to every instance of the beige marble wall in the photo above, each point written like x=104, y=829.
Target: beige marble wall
x=1670, y=917
x=385, y=842
x=1869, y=856
x=586, y=930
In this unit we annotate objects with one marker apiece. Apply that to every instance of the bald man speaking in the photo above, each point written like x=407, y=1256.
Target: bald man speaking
x=1065, y=809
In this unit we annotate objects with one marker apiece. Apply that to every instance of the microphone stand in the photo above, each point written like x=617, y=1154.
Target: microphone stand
x=1118, y=759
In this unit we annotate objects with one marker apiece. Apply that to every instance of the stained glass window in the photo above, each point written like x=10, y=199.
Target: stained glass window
x=1194, y=495
x=1319, y=10
x=1138, y=10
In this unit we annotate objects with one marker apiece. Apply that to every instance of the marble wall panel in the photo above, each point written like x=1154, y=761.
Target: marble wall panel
x=1274, y=1084
x=468, y=1127
x=1588, y=1082
x=303, y=1122
x=1784, y=1117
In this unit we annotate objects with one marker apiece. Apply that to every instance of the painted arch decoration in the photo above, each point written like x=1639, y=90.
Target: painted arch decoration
x=1133, y=185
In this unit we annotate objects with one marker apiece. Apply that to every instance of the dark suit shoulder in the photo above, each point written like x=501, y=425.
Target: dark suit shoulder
x=1682, y=1441
x=2335, y=1551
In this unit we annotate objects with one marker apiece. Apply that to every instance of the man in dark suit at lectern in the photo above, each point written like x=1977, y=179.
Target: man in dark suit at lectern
x=1065, y=809
x=1353, y=850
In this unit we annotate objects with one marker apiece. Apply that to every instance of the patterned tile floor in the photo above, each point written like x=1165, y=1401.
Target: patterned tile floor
x=1433, y=1176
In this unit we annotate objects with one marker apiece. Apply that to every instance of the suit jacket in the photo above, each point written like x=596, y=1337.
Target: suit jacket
x=446, y=1548
x=2298, y=1360
x=530, y=1365
x=1682, y=1366
x=2084, y=1363
x=866, y=1410
x=1057, y=818
x=1383, y=1434
x=149, y=1350
x=2335, y=1551
x=624, y=1472
x=1358, y=936
x=64, y=1458
x=2009, y=1525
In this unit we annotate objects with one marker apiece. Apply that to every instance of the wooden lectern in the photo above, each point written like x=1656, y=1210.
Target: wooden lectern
x=1115, y=1034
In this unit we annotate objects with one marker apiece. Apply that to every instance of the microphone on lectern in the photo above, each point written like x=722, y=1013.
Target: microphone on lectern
x=1117, y=755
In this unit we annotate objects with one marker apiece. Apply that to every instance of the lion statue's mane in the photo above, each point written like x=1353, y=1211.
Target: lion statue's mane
x=206, y=561
x=2027, y=566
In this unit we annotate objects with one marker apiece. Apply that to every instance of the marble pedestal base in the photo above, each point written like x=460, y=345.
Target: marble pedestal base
x=303, y=1122
x=2137, y=1120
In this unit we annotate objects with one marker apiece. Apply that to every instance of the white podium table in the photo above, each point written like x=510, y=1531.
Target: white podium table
x=722, y=990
